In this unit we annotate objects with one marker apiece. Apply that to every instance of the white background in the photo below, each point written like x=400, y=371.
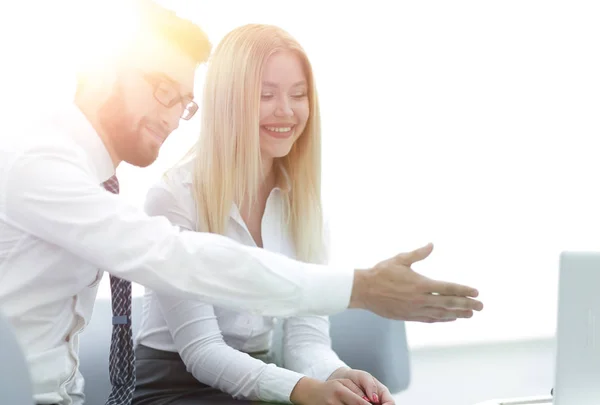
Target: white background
x=470, y=124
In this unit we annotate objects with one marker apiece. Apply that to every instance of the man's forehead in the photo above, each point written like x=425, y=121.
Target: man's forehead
x=157, y=55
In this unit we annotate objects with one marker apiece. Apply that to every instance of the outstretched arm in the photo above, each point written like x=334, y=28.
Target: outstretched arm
x=48, y=193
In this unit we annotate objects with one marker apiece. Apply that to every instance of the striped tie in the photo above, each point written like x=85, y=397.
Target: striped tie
x=121, y=359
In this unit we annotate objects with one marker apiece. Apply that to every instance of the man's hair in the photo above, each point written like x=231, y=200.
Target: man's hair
x=155, y=20
x=180, y=32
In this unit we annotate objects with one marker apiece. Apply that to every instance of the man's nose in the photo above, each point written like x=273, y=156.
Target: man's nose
x=169, y=118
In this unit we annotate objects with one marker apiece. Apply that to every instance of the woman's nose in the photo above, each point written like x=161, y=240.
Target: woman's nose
x=284, y=109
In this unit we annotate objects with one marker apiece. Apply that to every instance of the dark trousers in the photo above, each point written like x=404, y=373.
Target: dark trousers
x=162, y=379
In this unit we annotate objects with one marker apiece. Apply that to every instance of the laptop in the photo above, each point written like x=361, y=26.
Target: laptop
x=577, y=364
x=577, y=374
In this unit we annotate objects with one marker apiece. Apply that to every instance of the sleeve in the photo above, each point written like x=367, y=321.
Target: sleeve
x=47, y=193
x=307, y=347
x=306, y=340
x=198, y=339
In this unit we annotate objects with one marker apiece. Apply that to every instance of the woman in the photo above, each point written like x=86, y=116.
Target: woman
x=253, y=176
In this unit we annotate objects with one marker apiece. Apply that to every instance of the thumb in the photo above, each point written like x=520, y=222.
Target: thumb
x=416, y=255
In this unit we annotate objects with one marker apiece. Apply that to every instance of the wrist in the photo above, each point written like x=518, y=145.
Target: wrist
x=360, y=289
x=301, y=393
x=340, y=373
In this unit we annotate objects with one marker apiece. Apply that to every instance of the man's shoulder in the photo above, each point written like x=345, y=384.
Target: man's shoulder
x=39, y=135
x=39, y=141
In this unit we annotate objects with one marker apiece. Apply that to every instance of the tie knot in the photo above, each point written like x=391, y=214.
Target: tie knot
x=112, y=185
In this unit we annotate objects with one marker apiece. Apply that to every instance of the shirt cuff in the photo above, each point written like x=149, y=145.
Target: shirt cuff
x=276, y=384
x=328, y=289
x=322, y=370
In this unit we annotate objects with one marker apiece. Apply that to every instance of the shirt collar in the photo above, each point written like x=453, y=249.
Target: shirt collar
x=284, y=184
x=276, y=196
x=72, y=120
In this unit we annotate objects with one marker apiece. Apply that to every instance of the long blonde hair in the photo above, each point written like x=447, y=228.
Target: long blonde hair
x=227, y=155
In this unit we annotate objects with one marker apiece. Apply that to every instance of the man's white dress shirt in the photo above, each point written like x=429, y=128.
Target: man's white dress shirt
x=59, y=230
x=212, y=341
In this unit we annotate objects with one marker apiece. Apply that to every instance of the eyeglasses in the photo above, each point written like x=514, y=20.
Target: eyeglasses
x=166, y=94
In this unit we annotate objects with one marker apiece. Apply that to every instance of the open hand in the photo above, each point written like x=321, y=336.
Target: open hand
x=392, y=289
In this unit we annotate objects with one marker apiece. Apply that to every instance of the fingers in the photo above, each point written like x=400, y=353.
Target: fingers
x=445, y=288
x=460, y=304
x=352, y=394
x=385, y=396
x=426, y=319
x=441, y=314
x=352, y=386
x=415, y=256
x=368, y=384
x=376, y=393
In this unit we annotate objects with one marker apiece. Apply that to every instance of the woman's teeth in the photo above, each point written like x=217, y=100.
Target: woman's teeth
x=279, y=129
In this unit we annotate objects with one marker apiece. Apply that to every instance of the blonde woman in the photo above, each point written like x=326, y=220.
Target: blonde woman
x=255, y=177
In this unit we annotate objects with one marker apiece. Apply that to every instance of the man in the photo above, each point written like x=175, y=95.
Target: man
x=62, y=226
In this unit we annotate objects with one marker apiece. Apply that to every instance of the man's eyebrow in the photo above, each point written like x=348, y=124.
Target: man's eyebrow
x=174, y=82
x=166, y=77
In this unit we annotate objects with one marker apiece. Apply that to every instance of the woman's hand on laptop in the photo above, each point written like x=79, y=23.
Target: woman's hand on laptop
x=394, y=290
x=372, y=389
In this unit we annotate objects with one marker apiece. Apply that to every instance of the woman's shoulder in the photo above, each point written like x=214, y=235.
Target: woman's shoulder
x=172, y=189
x=178, y=178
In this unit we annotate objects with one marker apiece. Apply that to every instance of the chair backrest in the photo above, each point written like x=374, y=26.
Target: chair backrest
x=15, y=379
x=368, y=342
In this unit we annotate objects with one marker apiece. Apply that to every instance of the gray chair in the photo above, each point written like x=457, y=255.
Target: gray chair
x=368, y=342
x=15, y=379
x=363, y=340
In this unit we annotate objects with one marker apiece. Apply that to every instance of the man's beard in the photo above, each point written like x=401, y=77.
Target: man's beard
x=119, y=124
